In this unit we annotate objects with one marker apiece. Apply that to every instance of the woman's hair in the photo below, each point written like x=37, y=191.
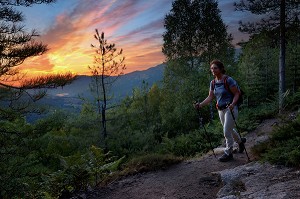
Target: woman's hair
x=219, y=64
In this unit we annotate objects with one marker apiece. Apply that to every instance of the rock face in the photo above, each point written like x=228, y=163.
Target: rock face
x=260, y=180
x=257, y=180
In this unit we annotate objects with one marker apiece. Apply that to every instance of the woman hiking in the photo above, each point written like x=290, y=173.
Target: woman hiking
x=226, y=92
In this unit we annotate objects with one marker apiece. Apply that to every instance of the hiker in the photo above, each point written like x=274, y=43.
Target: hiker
x=227, y=98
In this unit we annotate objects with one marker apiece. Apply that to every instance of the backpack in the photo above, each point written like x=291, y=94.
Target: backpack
x=241, y=92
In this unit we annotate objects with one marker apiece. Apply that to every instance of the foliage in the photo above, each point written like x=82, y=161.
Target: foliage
x=250, y=118
x=269, y=10
x=16, y=157
x=79, y=171
x=283, y=147
x=258, y=67
x=17, y=45
x=293, y=101
x=137, y=127
x=53, y=157
x=157, y=126
x=193, y=143
x=194, y=29
x=276, y=18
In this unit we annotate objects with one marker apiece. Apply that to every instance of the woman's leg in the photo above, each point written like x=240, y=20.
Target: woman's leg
x=235, y=134
x=229, y=132
x=223, y=115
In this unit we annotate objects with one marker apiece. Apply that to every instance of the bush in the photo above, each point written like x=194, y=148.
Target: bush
x=195, y=142
x=250, y=118
x=283, y=147
x=79, y=171
x=131, y=142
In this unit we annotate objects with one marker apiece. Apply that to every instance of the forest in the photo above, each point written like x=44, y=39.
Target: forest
x=157, y=125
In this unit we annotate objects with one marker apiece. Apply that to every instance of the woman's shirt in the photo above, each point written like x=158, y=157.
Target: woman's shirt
x=223, y=96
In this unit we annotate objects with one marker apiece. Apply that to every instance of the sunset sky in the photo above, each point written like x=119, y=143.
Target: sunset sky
x=136, y=26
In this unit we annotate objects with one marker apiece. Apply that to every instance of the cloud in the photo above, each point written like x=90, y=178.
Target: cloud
x=69, y=38
x=136, y=26
x=38, y=63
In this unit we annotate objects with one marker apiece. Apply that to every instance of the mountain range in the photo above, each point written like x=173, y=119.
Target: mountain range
x=68, y=96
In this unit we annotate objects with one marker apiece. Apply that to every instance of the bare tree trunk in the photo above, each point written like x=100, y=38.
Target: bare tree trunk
x=104, y=105
x=282, y=55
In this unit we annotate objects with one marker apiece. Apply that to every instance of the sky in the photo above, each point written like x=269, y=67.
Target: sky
x=136, y=26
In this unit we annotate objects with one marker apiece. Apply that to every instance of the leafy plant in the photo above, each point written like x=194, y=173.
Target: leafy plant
x=283, y=147
x=194, y=142
x=250, y=118
x=79, y=171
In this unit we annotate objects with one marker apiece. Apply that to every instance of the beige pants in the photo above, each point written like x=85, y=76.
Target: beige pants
x=229, y=131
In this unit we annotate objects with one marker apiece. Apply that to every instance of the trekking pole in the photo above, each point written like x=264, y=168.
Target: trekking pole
x=239, y=132
x=206, y=134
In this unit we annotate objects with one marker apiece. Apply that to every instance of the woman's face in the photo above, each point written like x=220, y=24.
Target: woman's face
x=215, y=70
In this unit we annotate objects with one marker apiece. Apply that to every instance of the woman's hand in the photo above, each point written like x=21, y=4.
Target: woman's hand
x=197, y=105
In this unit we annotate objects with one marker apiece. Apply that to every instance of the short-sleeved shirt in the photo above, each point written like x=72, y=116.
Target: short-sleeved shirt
x=223, y=96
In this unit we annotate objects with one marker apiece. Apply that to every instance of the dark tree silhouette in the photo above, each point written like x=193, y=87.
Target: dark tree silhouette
x=17, y=45
x=109, y=65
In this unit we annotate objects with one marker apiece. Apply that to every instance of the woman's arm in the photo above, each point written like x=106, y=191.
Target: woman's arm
x=207, y=100
x=236, y=94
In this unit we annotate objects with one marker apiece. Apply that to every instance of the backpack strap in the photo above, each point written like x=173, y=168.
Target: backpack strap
x=224, y=81
x=226, y=84
x=213, y=84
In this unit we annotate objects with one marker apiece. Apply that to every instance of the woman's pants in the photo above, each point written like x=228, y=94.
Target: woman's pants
x=230, y=133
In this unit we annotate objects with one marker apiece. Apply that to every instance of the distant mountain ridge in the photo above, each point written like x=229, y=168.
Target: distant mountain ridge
x=121, y=88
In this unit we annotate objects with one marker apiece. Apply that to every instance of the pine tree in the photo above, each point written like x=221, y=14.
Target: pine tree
x=109, y=65
x=276, y=15
x=17, y=45
x=257, y=69
x=16, y=154
x=195, y=32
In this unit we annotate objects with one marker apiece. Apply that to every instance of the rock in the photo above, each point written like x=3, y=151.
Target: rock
x=256, y=180
x=261, y=139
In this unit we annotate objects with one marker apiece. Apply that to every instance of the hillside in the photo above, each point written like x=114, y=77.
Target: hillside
x=121, y=88
x=67, y=98
x=207, y=178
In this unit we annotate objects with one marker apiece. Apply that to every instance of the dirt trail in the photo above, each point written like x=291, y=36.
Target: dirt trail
x=190, y=179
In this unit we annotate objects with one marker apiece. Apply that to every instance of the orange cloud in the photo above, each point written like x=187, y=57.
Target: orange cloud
x=70, y=37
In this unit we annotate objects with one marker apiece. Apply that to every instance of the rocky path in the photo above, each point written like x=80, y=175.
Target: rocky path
x=208, y=178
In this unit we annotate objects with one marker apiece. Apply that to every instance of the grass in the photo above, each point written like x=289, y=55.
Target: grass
x=151, y=162
x=143, y=163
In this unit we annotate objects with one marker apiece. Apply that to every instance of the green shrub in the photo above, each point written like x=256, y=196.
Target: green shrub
x=283, y=147
x=131, y=142
x=292, y=101
x=79, y=171
x=196, y=142
x=250, y=118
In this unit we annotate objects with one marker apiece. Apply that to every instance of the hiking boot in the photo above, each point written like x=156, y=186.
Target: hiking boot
x=225, y=157
x=242, y=145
